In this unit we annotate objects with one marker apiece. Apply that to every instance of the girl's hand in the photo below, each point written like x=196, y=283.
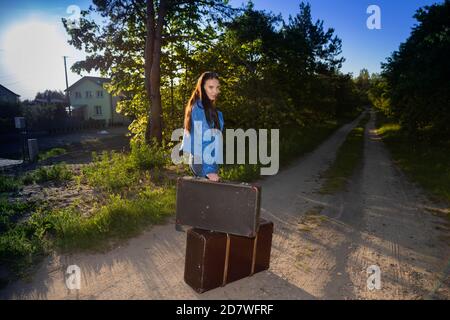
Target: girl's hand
x=213, y=177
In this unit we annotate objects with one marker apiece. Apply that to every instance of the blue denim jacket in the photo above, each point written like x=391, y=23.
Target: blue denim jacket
x=198, y=114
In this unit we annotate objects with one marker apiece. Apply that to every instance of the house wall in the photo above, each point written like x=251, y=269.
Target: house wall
x=91, y=102
x=8, y=97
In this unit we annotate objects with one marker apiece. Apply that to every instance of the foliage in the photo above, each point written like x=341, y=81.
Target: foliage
x=272, y=73
x=416, y=76
x=58, y=172
x=9, y=184
x=111, y=172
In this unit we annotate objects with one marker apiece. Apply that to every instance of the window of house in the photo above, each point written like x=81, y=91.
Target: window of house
x=77, y=94
x=99, y=94
x=88, y=94
x=98, y=110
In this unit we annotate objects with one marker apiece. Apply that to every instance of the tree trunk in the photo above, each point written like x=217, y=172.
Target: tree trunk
x=148, y=58
x=154, y=123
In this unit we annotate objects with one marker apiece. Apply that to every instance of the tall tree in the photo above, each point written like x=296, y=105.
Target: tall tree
x=128, y=48
x=417, y=74
x=274, y=73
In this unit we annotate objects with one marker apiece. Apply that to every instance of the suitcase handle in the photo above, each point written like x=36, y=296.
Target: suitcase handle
x=222, y=181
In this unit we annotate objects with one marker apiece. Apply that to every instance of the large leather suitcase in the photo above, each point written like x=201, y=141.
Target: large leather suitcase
x=214, y=259
x=218, y=206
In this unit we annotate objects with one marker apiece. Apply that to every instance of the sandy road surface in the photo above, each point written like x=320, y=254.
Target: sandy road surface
x=322, y=244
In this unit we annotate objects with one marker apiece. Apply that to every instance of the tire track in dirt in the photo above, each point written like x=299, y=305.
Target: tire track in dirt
x=297, y=257
x=151, y=266
x=387, y=226
x=381, y=220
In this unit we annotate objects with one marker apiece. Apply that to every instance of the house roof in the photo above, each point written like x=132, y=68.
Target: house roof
x=9, y=91
x=51, y=100
x=98, y=80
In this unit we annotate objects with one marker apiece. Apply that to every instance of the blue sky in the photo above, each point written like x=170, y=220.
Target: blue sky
x=32, y=45
x=362, y=48
x=33, y=41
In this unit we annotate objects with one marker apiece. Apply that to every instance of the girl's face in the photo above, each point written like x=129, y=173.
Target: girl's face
x=212, y=88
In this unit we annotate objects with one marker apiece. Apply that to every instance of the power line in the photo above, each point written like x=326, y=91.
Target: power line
x=65, y=71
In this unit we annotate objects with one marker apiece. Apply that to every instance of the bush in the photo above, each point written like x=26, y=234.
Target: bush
x=58, y=172
x=144, y=156
x=111, y=172
x=240, y=172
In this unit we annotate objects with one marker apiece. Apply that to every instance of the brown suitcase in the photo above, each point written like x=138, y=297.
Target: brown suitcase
x=214, y=259
x=218, y=206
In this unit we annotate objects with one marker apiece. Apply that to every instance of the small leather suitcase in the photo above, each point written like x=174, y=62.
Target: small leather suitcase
x=218, y=206
x=214, y=259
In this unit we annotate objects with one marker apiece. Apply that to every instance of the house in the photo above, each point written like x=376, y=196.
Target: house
x=8, y=96
x=89, y=100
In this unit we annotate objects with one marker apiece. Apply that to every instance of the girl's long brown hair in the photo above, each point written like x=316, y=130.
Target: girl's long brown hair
x=208, y=105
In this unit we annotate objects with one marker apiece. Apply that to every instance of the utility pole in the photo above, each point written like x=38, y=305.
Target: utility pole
x=67, y=86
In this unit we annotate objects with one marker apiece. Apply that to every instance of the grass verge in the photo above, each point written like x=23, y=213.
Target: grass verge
x=294, y=142
x=425, y=161
x=348, y=157
x=67, y=229
x=132, y=193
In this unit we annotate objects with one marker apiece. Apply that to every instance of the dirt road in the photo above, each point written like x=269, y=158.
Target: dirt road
x=322, y=245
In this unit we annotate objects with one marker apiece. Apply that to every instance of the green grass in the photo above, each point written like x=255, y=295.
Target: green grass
x=119, y=214
x=240, y=172
x=425, y=161
x=115, y=172
x=58, y=172
x=144, y=156
x=111, y=172
x=21, y=244
x=120, y=218
x=10, y=184
x=348, y=157
x=294, y=142
x=11, y=211
x=51, y=153
x=297, y=142
x=20, y=248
